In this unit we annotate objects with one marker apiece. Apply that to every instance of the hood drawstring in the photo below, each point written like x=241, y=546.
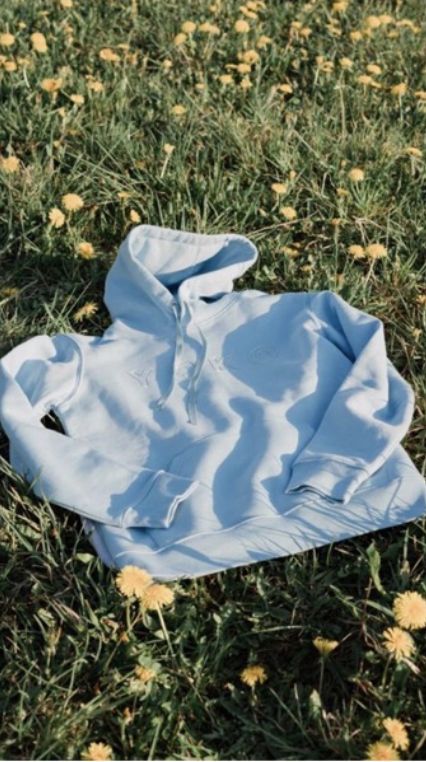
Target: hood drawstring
x=190, y=402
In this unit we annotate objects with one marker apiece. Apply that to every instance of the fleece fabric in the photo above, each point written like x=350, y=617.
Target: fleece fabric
x=210, y=428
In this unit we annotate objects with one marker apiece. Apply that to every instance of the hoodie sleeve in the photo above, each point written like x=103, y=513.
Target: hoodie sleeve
x=39, y=375
x=369, y=413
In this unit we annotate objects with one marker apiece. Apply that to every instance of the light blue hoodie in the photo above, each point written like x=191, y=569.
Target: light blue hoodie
x=209, y=428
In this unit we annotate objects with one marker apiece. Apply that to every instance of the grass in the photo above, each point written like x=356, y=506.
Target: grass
x=70, y=641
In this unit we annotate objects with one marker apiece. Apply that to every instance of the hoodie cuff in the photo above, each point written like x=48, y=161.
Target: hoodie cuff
x=331, y=479
x=157, y=505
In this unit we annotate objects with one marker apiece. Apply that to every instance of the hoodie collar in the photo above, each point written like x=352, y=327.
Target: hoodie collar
x=159, y=266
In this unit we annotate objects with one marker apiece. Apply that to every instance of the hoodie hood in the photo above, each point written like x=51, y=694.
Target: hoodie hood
x=165, y=266
x=172, y=270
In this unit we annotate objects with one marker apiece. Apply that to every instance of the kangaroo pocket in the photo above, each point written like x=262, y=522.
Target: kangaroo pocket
x=230, y=489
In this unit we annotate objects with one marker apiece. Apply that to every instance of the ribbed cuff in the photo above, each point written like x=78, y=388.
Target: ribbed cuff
x=333, y=479
x=157, y=505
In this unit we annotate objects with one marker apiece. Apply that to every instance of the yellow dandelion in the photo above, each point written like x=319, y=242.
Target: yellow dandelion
x=420, y=94
x=178, y=110
x=284, y=87
x=372, y=22
x=226, y=79
x=399, y=89
x=77, y=99
x=38, y=41
x=95, y=85
x=245, y=83
x=51, y=85
x=66, y=3
x=168, y=148
x=9, y=291
x=209, y=28
x=7, y=40
x=180, y=38
x=410, y=610
x=279, y=188
x=253, y=674
x=188, y=27
x=376, y=251
x=368, y=81
x=356, y=251
x=242, y=26
x=56, y=217
x=381, y=751
x=123, y=195
x=356, y=175
x=244, y=68
x=413, y=151
x=340, y=6
x=132, y=580
x=87, y=310
x=342, y=192
x=306, y=31
x=97, y=752
x=106, y=54
x=250, y=56
x=200, y=86
x=263, y=41
x=86, y=250
x=290, y=251
x=288, y=212
x=167, y=64
x=346, y=63
x=398, y=732
x=145, y=674
x=10, y=66
x=10, y=164
x=373, y=69
x=72, y=202
x=398, y=642
x=134, y=216
x=385, y=19
x=324, y=646
x=157, y=595
x=355, y=35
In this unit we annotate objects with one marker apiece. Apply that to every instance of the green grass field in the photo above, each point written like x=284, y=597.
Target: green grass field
x=300, y=96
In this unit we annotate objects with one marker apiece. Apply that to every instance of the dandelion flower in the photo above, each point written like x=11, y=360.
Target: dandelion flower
x=226, y=79
x=342, y=192
x=381, y=751
x=398, y=733
x=157, y=595
x=288, y=212
x=284, y=87
x=367, y=79
x=253, y=674
x=167, y=64
x=355, y=35
x=263, y=41
x=95, y=85
x=421, y=94
x=244, y=68
x=97, y=752
x=242, y=26
x=413, y=151
x=245, y=83
x=10, y=66
x=87, y=310
x=51, y=85
x=145, y=674
x=372, y=22
x=250, y=56
x=180, y=38
x=132, y=580
x=66, y=3
x=399, y=89
x=373, y=69
x=340, y=6
x=376, y=250
x=72, y=202
x=56, y=217
x=385, y=19
x=10, y=164
x=86, y=250
x=188, y=27
x=410, y=610
x=356, y=251
x=398, y=642
x=346, y=63
x=209, y=28
x=6, y=40
x=134, y=216
x=77, y=99
x=324, y=646
x=168, y=148
x=356, y=175
x=178, y=110
x=38, y=42
x=279, y=188
x=106, y=54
